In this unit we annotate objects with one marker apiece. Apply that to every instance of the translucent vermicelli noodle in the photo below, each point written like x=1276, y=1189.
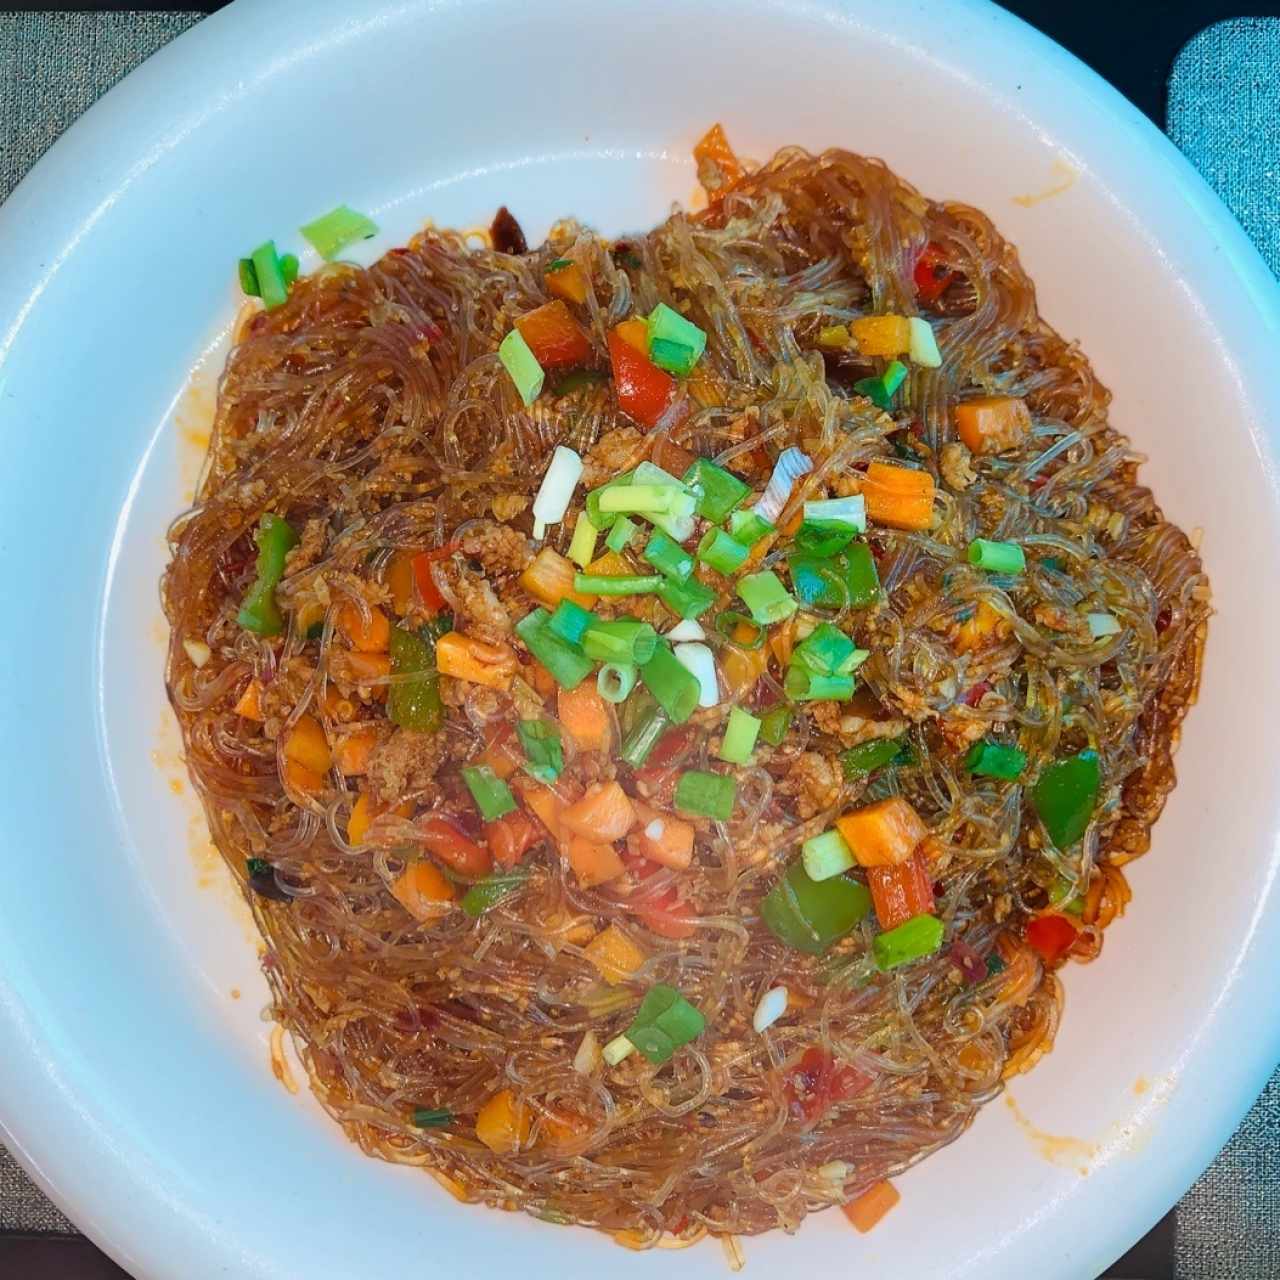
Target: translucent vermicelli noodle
x=373, y=413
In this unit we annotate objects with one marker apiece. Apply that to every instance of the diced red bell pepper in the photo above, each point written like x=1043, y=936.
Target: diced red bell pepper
x=1052, y=936
x=553, y=336
x=644, y=391
x=432, y=601
x=511, y=837
x=932, y=275
x=446, y=843
x=815, y=1083
x=901, y=892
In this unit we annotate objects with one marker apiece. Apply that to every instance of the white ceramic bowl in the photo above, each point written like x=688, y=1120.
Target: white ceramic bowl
x=131, y=1083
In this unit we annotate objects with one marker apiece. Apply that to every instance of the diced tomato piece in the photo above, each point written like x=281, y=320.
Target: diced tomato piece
x=444, y=841
x=932, y=276
x=660, y=915
x=553, y=336
x=511, y=837
x=644, y=391
x=1052, y=936
x=432, y=601
x=816, y=1082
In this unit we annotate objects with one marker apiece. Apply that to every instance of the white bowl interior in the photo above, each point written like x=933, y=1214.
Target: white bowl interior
x=133, y=1082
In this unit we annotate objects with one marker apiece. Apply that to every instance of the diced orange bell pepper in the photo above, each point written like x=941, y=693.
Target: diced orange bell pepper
x=900, y=497
x=444, y=841
x=993, y=424
x=718, y=167
x=545, y=804
x=635, y=333
x=644, y=391
x=549, y=579
x=250, y=703
x=363, y=812
x=567, y=282
x=560, y=1128
x=300, y=778
x=511, y=837
x=882, y=834
x=503, y=1123
x=422, y=889
x=306, y=745
x=399, y=581
x=354, y=750
x=868, y=1208
x=466, y=658
x=902, y=892
x=553, y=336
x=593, y=863
x=584, y=714
x=368, y=637
x=881, y=335
x=615, y=955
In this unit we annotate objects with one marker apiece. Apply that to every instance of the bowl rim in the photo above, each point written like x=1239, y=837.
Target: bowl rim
x=54, y=196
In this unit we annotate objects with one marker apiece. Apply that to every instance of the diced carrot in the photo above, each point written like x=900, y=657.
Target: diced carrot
x=545, y=805
x=604, y=813
x=615, y=955
x=250, y=702
x=368, y=637
x=568, y=283
x=609, y=565
x=882, y=834
x=901, y=892
x=541, y=679
x=782, y=640
x=399, y=581
x=985, y=627
x=466, y=658
x=354, y=750
x=899, y=497
x=299, y=778
x=993, y=424
x=502, y=752
x=422, y=889
x=561, y=1128
x=635, y=333
x=511, y=837
x=503, y=1123
x=307, y=745
x=363, y=812
x=662, y=837
x=584, y=715
x=553, y=336
x=549, y=579
x=881, y=335
x=718, y=167
x=593, y=863
x=444, y=841
x=868, y=1208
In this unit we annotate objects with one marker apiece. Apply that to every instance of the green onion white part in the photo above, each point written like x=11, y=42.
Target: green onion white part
x=1103, y=624
x=923, y=348
x=678, y=519
x=197, y=651
x=556, y=489
x=791, y=465
x=587, y=1059
x=687, y=629
x=772, y=1005
x=826, y=855
x=617, y=1049
x=850, y=511
x=701, y=663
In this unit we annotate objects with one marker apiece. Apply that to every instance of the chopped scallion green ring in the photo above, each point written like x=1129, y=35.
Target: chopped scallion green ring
x=723, y=552
x=740, y=733
x=669, y=557
x=803, y=685
x=748, y=527
x=337, y=229
x=827, y=651
x=880, y=391
x=717, y=491
x=271, y=284
x=709, y=795
x=289, y=268
x=543, y=750
x=643, y=737
x=686, y=599
x=675, y=688
x=766, y=597
x=647, y=500
x=570, y=621
x=582, y=547
x=605, y=519
x=995, y=760
x=248, y=279
x=997, y=557
x=615, y=680
x=678, y=522
x=568, y=665
x=620, y=640
x=492, y=796
x=826, y=855
x=623, y=584
x=620, y=535
x=674, y=343
x=867, y=757
x=921, y=936
x=520, y=362
x=774, y=725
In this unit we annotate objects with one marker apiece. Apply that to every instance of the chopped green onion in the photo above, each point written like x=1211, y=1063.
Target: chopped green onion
x=723, y=552
x=826, y=650
x=867, y=757
x=248, y=279
x=1103, y=624
x=679, y=522
x=543, y=750
x=258, y=867
x=1053, y=563
x=338, y=228
x=700, y=661
x=266, y=266
x=994, y=964
x=826, y=855
x=622, y=584
x=259, y=611
x=717, y=491
x=527, y=374
x=766, y=597
x=710, y=795
x=675, y=687
x=803, y=685
x=998, y=557
x=492, y=796
x=774, y=725
x=570, y=621
x=850, y=577
x=646, y=500
x=995, y=760
x=663, y=1023
x=740, y=735
x=728, y=622
x=810, y=915
x=414, y=704
x=850, y=511
x=558, y=264
x=616, y=1050
x=605, y=519
x=559, y=482
x=643, y=737
x=881, y=390
x=748, y=527
x=289, y=267
x=620, y=640
x=615, y=680
x=621, y=534
x=567, y=664
x=431, y=1117
x=492, y=889
x=921, y=936
x=687, y=629
x=1065, y=794
x=675, y=344
x=668, y=557
x=686, y=599
x=923, y=348
x=582, y=547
